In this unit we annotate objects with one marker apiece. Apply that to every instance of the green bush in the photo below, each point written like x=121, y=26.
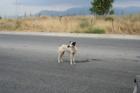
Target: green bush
x=11, y=28
x=109, y=18
x=84, y=24
x=95, y=30
x=18, y=24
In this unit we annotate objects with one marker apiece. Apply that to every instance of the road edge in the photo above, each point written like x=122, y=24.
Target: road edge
x=77, y=35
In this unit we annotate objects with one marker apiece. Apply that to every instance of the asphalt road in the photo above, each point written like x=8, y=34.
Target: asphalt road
x=28, y=64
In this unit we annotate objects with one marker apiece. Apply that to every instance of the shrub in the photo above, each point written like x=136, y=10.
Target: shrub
x=95, y=30
x=18, y=24
x=109, y=18
x=84, y=24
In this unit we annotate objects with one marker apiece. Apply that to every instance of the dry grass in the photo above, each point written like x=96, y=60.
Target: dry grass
x=79, y=24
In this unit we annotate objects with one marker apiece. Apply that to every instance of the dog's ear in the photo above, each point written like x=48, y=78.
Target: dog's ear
x=74, y=42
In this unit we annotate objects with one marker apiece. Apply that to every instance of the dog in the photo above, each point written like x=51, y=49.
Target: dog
x=70, y=48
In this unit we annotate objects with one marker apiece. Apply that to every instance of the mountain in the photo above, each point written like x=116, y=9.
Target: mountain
x=85, y=11
x=127, y=10
x=71, y=11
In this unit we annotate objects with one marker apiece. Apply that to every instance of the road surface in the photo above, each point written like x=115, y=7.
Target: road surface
x=28, y=64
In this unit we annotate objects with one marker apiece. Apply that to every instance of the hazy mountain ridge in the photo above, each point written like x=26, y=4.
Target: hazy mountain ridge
x=85, y=11
x=71, y=11
x=127, y=10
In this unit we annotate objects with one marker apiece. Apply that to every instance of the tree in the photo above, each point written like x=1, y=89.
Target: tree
x=102, y=7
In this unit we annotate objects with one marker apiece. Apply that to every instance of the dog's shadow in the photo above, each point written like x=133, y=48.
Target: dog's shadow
x=84, y=61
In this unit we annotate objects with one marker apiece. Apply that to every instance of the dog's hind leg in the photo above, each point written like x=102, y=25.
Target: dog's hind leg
x=60, y=56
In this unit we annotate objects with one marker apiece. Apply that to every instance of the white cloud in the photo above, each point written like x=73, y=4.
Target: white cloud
x=22, y=9
x=8, y=7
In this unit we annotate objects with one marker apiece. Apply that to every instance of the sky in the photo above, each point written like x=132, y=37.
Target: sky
x=19, y=7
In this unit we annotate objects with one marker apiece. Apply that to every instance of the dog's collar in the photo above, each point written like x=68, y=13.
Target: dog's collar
x=68, y=46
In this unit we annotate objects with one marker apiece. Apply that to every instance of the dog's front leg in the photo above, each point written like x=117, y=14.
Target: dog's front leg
x=71, y=58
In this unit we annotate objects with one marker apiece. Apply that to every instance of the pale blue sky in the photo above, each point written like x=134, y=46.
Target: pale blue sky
x=9, y=8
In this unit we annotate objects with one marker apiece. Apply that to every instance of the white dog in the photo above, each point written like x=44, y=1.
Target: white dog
x=70, y=48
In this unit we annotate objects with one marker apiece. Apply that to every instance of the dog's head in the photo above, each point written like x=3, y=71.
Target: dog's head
x=72, y=43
